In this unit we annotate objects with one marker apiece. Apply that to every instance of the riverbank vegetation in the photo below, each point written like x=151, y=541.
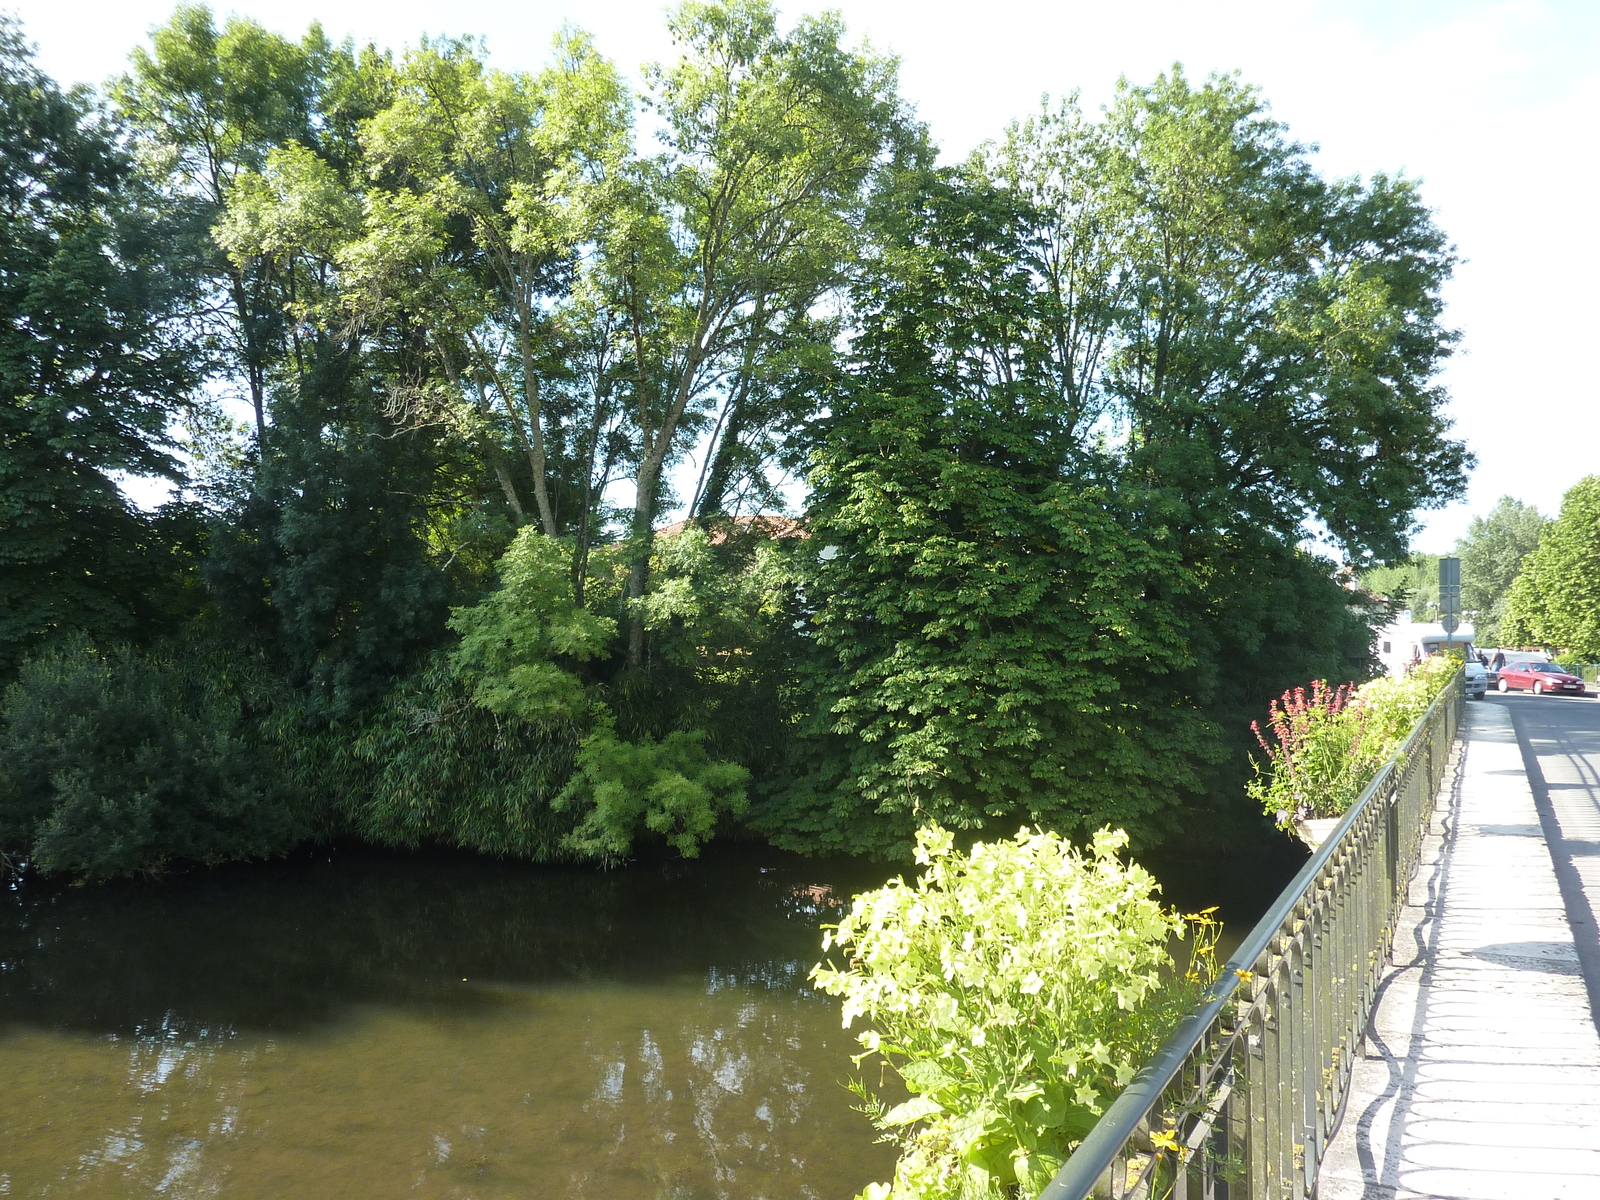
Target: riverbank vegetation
x=1014, y=990
x=990, y=485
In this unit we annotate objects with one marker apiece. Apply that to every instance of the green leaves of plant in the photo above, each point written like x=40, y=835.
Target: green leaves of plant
x=1014, y=988
x=510, y=639
x=671, y=787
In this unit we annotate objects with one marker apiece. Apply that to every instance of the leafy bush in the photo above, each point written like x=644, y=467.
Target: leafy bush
x=121, y=763
x=1392, y=707
x=1015, y=989
x=429, y=765
x=1324, y=746
x=510, y=640
x=671, y=787
x=502, y=745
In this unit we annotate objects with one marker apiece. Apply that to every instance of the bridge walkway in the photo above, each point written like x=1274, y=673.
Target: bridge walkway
x=1481, y=1073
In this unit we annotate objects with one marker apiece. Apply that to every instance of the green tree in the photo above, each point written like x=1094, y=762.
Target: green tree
x=92, y=368
x=446, y=242
x=728, y=239
x=1105, y=382
x=518, y=644
x=992, y=624
x=334, y=553
x=1555, y=601
x=502, y=171
x=1492, y=555
x=207, y=106
x=991, y=644
x=1260, y=340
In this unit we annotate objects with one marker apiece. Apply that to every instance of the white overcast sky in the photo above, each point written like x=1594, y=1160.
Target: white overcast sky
x=1491, y=103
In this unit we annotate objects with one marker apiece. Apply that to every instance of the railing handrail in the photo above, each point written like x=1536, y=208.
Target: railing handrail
x=1102, y=1144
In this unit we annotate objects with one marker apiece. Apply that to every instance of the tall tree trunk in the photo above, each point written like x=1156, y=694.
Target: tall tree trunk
x=726, y=448
x=530, y=388
x=508, y=489
x=255, y=374
x=722, y=464
x=497, y=459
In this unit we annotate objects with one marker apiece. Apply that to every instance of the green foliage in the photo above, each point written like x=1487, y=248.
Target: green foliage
x=332, y=553
x=481, y=184
x=474, y=748
x=487, y=748
x=510, y=639
x=712, y=597
x=1492, y=555
x=671, y=788
x=719, y=621
x=1267, y=338
x=122, y=763
x=428, y=766
x=1555, y=601
x=206, y=106
x=1412, y=583
x=990, y=644
x=1324, y=746
x=92, y=370
x=1014, y=989
x=1393, y=706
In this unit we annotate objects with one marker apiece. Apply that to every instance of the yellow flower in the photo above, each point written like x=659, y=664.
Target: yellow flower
x=1244, y=976
x=1163, y=1140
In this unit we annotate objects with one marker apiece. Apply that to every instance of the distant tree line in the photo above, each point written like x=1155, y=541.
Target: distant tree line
x=1525, y=581
x=1064, y=418
x=1554, y=600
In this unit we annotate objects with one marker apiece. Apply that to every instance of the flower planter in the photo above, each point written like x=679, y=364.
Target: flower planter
x=1314, y=833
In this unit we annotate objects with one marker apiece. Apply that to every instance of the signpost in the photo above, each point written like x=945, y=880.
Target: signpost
x=1450, y=596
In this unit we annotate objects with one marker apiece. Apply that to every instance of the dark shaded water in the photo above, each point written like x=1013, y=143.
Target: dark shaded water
x=362, y=1025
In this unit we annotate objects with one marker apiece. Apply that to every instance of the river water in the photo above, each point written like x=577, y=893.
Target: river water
x=356, y=1024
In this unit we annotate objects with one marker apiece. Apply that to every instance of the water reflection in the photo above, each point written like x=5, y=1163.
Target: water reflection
x=379, y=1026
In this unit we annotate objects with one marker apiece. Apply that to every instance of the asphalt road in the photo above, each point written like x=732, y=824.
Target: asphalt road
x=1560, y=741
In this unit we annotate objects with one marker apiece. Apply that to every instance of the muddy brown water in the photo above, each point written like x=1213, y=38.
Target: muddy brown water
x=354, y=1024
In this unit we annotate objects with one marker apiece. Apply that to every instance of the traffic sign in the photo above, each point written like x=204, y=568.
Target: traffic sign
x=1450, y=593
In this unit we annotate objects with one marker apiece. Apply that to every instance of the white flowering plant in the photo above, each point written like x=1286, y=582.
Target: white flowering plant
x=1014, y=989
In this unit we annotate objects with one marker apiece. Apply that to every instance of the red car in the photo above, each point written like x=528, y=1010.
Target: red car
x=1540, y=677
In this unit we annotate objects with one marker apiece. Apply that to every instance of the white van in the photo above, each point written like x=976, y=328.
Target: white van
x=1403, y=643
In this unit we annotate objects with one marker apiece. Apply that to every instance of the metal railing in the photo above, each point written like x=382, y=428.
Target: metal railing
x=1241, y=1101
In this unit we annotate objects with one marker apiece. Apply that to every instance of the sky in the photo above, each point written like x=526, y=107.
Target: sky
x=1490, y=103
